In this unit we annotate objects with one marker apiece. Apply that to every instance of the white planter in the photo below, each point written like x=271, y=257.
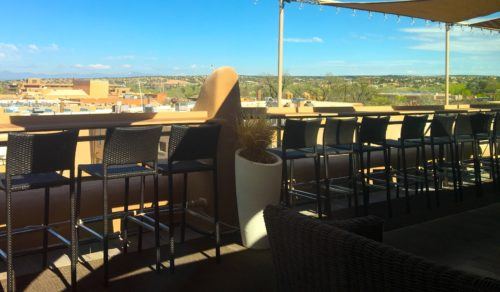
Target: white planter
x=257, y=185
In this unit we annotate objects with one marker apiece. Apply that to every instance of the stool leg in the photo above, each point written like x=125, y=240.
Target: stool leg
x=10, y=263
x=75, y=208
x=435, y=173
x=171, y=222
x=216, y=216
x=350, y=179
x=125, y=219
x=454, y=160
x=459, y=153
x=492, y=161
x=328, y=206
x=318, y=187
x=398, y=167
x=405, y=177
x=105, y=229
x=477, y=167
x=355, y=167
x=156, y=202
x=141, y=210
x=366, y=199
x=426, y=175
x=387, y=162
x=184, y=207
x=72, y=216
x=46, y=225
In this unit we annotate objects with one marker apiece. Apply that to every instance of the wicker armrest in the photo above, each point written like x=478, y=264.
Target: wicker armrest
x=369, y=226
x=311, y=255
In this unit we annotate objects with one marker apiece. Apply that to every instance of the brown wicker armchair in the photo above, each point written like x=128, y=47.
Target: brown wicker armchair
x=313, y=255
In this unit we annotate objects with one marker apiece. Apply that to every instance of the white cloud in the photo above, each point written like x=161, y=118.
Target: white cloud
x=120, y=57
x=32, y=48
x=8, y=47
x=194, y=66
x=126, y=66
x=2, y=55
x=304, y=40
x=53, y=47
x=468, y=42
x=93, y=66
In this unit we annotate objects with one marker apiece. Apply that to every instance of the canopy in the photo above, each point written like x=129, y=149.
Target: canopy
x=493, y=24
x=448, y=11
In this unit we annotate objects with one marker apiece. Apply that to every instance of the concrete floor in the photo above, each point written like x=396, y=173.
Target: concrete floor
x=461, y=234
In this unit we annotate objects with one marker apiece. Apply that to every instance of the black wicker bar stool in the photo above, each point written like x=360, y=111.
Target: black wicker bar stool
x=128, y=152
x=299, y=142
x=441, y=136
x=190, y=150
x=371, y=138
x=37, y=161
x=338, y=139
x=412, y=137
x=481, y=132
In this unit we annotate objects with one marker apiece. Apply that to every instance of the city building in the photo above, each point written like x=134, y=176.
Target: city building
x=94, y=88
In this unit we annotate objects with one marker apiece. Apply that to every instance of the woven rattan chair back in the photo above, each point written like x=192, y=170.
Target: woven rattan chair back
x=373, y=130
x=413, y=127
x=339, y=131
x=481, y=123
x=41, y=153
x=463, y=125
x=300, y=133
x=442, y=126
x=193, y=143
x=131, y=145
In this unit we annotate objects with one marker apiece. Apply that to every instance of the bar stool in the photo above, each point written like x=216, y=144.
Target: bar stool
x=127, y=153
x=190, y=150
x=412, y=137
x=37, y=161
x=441, y=135
x=338, y=139
x=371, y=137
x=299, y=142
x=481, y=131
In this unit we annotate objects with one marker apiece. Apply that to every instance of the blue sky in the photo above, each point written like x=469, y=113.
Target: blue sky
x=184, y=37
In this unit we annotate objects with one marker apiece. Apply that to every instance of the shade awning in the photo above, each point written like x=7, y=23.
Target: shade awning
x=448, y=11
x=493, y=24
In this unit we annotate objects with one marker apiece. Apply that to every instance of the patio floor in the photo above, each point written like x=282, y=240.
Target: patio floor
x=464, y=235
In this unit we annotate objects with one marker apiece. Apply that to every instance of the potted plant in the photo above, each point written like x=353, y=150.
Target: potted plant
x=258, y=179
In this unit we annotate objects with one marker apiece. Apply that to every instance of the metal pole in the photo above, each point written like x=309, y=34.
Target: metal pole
x=447, y=66
x=280, y=51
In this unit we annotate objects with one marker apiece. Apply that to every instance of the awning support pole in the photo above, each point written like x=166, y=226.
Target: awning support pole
x=280, y=51
x=447, y=66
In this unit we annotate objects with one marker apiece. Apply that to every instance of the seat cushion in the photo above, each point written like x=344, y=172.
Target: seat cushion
x=407, y=143
x=437, y=140
x=116, y=171
x=294, y=153
x=333, y=150
x=362, y=148
x=34, y=181
x=184, y=166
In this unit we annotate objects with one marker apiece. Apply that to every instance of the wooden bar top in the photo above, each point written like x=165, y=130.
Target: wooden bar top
x=13, y=123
